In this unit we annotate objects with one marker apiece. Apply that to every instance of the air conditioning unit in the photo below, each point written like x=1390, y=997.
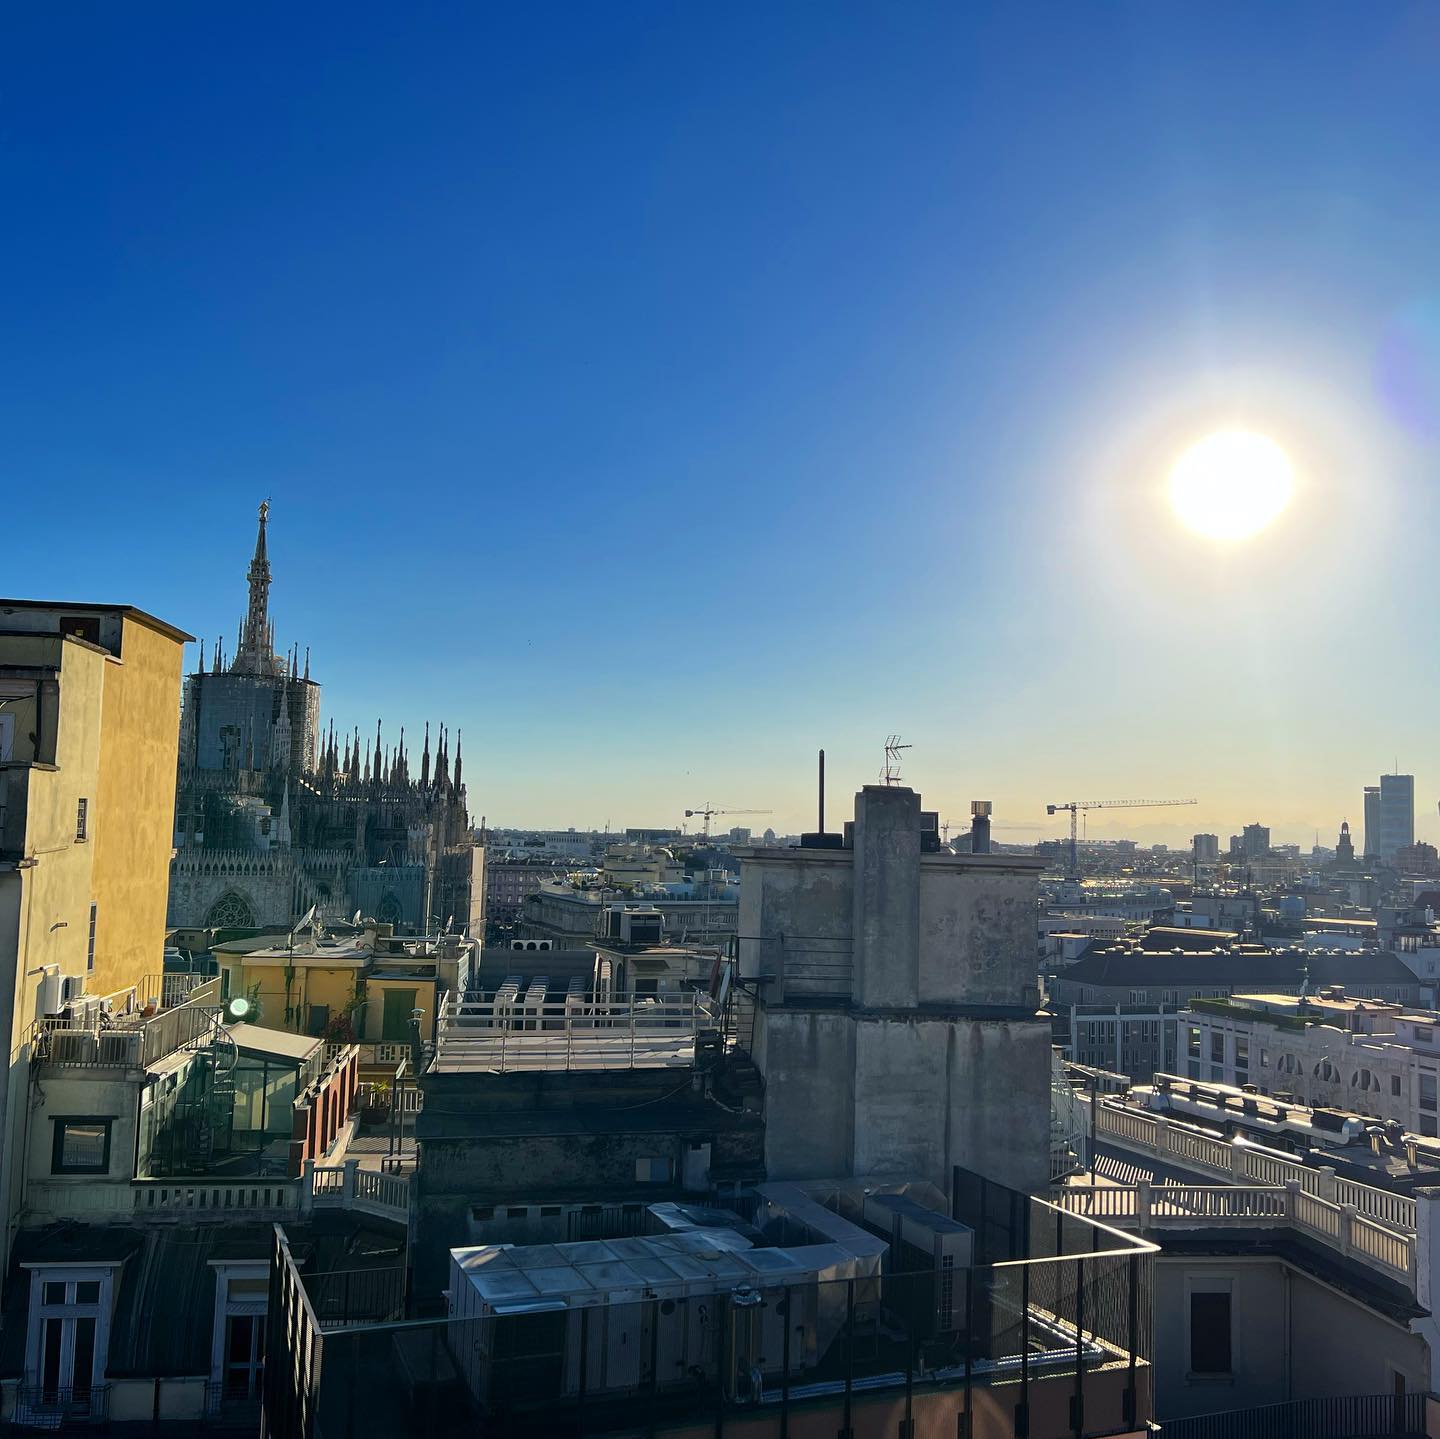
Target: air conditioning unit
x=923, y=1242
x=47, y=1000
x=118, y=1048
x=72, y=1047
x=72, y=987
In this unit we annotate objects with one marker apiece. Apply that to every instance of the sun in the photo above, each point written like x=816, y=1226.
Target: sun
x=1231, y=485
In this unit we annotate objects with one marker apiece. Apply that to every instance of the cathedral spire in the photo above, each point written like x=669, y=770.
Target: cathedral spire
x=307, y=662
x=442, y=759
x=202, y=655
x=367, y=761
x=458, y=733
x=379, y=773
x=425, y=759
x=255, y=653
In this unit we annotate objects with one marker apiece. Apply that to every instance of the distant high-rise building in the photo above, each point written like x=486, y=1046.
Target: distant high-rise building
x=1207, y=848
x=1255, y=841
x=1372, y=818
x=1389, y=816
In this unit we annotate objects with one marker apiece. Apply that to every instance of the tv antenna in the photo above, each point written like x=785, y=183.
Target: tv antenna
x=891, y=773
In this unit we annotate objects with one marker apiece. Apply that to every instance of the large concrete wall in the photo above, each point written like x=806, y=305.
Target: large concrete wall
x=794, y=905
x=977, y=931
x=808, y=1057
x=135, y=805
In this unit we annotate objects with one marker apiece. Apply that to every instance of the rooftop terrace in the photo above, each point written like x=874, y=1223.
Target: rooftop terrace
x=513, y=1030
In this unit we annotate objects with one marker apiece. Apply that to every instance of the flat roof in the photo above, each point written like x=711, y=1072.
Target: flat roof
x=174, y=631
x=280, y=1043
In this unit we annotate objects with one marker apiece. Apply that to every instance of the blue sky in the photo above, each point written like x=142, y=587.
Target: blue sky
x=658, y=392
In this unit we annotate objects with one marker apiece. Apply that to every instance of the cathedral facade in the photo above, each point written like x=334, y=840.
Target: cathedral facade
x=273, y=815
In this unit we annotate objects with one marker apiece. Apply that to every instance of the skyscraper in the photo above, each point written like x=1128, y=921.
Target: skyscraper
x=1390, y=816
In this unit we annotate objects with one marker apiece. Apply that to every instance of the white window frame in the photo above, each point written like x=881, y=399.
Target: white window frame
x=100, y=1312
x=226, y=1307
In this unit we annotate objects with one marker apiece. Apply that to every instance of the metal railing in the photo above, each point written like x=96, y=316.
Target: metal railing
x=1066, y=1332
x=509, y=1032
x=226, y=1409
x=52, y=1407
x=1243, y=1162
x=1346, y=1416
x=1192, y=1206
x=357, y=1296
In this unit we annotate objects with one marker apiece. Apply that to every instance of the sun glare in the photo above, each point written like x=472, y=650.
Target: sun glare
x=1230, y=485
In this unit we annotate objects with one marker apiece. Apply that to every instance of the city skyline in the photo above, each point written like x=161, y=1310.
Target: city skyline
x=927, y=359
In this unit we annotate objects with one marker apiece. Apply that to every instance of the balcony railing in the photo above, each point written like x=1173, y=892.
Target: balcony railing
x=1064, y=1333
x=1355, y=1416
x=1190, y=1148
x=347, y=1186
x=508, y=1031
x=340, y=1186
x=1252, y=1207
x=51, y=1407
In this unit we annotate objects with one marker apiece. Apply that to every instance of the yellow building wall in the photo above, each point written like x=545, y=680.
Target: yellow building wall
x=134, y=807
x=53, y=919
x=370, y=1030
x=332, y=987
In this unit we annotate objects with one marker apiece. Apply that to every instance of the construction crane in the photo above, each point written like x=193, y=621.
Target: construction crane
x=1076, y=807
x=707, y=814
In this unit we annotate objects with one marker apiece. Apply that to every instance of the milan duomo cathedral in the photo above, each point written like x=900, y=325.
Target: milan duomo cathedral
x=272, y=815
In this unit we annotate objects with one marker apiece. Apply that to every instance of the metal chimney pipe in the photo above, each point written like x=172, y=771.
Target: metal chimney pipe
x=822, y=791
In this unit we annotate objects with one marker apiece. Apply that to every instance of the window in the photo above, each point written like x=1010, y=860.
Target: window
x=81, y=816
x=652, y=1171
x=81, y=1146
x=90, y=944
x=1192, y=1041
x=1242, y=1053
x=1395, y=1086
x=1427, y=1090
x=1210, y=1332
x=67, y=1336
x=237, y=1348
x=1427, y=1126
x=1217, y=1047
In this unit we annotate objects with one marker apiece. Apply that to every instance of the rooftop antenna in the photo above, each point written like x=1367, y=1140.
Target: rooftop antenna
x=891, y=773
x=821, y=827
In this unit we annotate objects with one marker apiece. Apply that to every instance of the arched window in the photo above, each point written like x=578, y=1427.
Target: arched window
x=389, y=911
x=230, y=911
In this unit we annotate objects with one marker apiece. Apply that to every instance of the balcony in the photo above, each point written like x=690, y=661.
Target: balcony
x=1251, y=1207
x=221, y=1201
x=1372, y=1226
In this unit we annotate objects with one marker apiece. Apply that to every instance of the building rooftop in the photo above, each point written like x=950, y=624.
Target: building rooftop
x=1105, y=964
x=82, y=608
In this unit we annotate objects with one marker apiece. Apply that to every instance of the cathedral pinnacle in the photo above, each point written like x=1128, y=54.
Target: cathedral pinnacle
x=255, y=653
